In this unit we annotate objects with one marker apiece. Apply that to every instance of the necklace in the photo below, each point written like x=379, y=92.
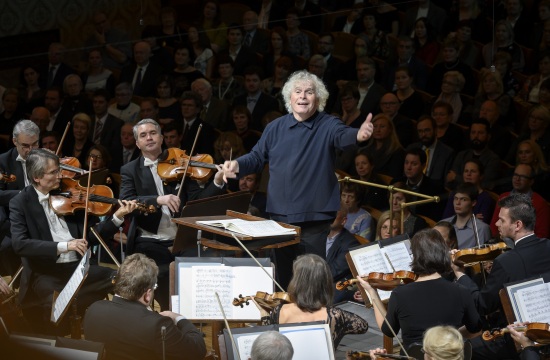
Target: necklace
x=220, y=95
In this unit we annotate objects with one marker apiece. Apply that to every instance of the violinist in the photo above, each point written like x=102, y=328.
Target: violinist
x=51, y=245
x=25, y=138
x=154, y=234
x=449, y=304
x=528, y=349
x=311, y=293
x=529, y=258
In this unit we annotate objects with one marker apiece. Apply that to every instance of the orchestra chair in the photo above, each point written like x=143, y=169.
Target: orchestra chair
x=386, y=179
x=431, y=223
x=361, y=239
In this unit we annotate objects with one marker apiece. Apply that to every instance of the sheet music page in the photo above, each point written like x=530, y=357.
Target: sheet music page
x=399, y=255
x=534, y=303
x=310, y=341
x=70, y=289
x=206, y=281
x=251, y=228
x=184, y=289
x=370, y=259
x=514, y=300
x=247, y=280
x=244, y=342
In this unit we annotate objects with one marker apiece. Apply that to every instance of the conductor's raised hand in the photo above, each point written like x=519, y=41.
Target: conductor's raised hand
x=230, y=170
x=78, y=245
x=172, y=201
x=366, y=129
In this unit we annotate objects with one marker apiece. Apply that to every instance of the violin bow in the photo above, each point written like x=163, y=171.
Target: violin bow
x=189, y=161
x=476, y=235
x=257, y=262
x=389, y=261
x=102, y=242
x=62, y=138
x=227, y=326
x=87, y=202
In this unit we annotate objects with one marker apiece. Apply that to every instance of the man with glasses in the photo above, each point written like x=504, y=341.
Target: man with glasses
x=128, y=327
x=51, y=245
x=404, y=127
x=522, y=182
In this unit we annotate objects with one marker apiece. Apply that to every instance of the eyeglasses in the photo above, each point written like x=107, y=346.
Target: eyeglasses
x=54, y=172
x=522, y=177
x=34, y=145
x=95, y=156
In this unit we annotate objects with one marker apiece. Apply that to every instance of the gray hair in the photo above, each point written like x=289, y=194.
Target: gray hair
x=301, y=77
x=27, y=127
x=37, y=162
x=317, y=58
x=143, y=122
x=271, y=345
x=202, y=81
x=124, y=86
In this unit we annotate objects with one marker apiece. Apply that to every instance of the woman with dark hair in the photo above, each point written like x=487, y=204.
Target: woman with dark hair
x=448, y=232
x=447, y=132
x=211, y=22
x=359, y=221
x=32, y=94
x=427, y=48
x=242, y=119
x=450, y=304
x=311, y=291
x=349, y=99
x=169, y=107
x=80, y=144
x=387, y=16
x=376, y=39
x=227, y=87
x=184, y=73
x=412, y=105
x=278, y=47
x=170, y=33
x=364, y=168
x=202, y=54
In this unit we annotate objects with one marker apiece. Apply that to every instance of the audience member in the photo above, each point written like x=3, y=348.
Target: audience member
x=191, y=107
x=451, y=62
x=404, y=127
x=412, y=104
x=32, y=94
x=359, y=221
x=123, y=108
x=55, y=72
x=144, y=73
x=97, y=76
x=405, y=57
x=242, y=56
x=227, y=87
x=213, y=25
x=184, y=73
x=425, y=43
x=298, y=42
x=202, y=54
x=446, y=131
x=451, y=86
x=167, y=103
x=410, y=222
x=214, y=111
x=254, y=38
x=114, y=44
x=241, y=119
x=504, y=41
x=376, y=39
x=374, y=197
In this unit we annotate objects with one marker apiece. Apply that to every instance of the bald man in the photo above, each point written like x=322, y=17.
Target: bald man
x=142, y=74
x=215, y=111
x=41, y=117
x=404, y=127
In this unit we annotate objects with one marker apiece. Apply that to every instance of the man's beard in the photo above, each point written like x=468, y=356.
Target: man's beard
x=477, y=145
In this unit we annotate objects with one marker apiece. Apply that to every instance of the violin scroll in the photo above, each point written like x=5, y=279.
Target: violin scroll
x=241, y=300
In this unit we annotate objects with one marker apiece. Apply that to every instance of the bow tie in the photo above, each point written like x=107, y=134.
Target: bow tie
x=149, y=162
x=19, y=158
x=43, y=198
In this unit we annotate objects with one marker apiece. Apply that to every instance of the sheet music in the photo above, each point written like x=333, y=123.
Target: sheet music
x=68, y=292
x=206, y=281
x=370, y=259
x=514, y=300
x=244, y=343
x=534, y=303
x=251, y=228
x=399, y=255
x=304, y=336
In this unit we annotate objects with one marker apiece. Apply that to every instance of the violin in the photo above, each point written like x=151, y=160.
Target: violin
x=486, y=252
x=172, y=163
x=382, y=281
x=536, y=331
x=265, y=300
x=351, y=354
x=70, y=167
x=7, y=178
x=72, y=196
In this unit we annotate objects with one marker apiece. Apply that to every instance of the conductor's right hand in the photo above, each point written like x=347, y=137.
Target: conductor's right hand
x=78, y=245
x=172, y=201
x=230, y=170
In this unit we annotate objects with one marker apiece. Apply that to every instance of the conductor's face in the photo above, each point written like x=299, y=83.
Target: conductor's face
x=303, y=100
x=149, y=140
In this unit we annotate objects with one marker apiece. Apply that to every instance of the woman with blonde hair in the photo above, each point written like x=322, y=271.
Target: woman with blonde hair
x=443, y=343
x=383, y=228
x=451, y=87
x=385, y=148
x=80, y=144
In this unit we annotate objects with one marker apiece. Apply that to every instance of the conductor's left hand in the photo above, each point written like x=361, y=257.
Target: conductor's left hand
x=366, y=129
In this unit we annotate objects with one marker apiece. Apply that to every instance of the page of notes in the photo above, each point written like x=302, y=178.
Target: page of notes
x=370, y=259
x=244, y=342
x=206, y=282
x=399, y=255
x=534, y=303
x=71, y=288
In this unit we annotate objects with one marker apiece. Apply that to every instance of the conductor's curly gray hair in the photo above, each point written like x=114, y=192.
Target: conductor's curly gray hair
x=303, y=76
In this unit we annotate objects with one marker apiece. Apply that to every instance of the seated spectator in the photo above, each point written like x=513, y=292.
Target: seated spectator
x=143, y=73
x=469, y=53
x=447, y=132
x=351, y=114
x=201, y=52
x=503, y=64
x=241, y=119
x=543, y=14
x=75, y=100
x=184, y=73
x=383, y=228
x=169, y=32
x=124, y=108
x=531, y=87
x=411, y=223
x=451, y=86
x=425, y=43
x=227, y=87
x=504, y=41
x=298, y=42
x=32, y=95
x=478, y=149
x=351, y=22
x=274, y=85
x=242, y=56
x=149, y=109
x=376, y=39
x=451, y=61
x=228, y=146
x=484, y=206
x=518, y=16
x=9, y=117
x=384, y=147
x=374, y=197
x=318, y=65
x=333, y=68
x=470, y=11
x=529, y=153
x=160, y=56
x=537, y=128
x=278, y=47
x=113, y=43
x=258, y=202
x=501, y=138
x=101, y=159
x=80, y=144
x=97, y=76
x=404, y=127
x=214, y=111
x=522, y=182
x=412, y=104
x=214, y=27
x=434, y=14
x=310, y=15
x=349, y=69
x=387, y=17
x=168, y=106
x=491, y=88
x=254, y=38
x=405, y=57
x=447, y=231
x=359, y=221
x=50, y=140
x=54, y=73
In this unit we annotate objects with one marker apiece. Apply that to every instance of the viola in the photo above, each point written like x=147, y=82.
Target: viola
x=70, y=167
x=172, y=163
x=351, y=354
x=486, y=252
x=265, y=300
x=7, y=178
x=382, y=281
x=536, y=331
x=72, y=196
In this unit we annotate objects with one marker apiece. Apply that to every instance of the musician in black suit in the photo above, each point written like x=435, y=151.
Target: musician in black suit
x=153, y=234
x=339, y=241
x=143, y=74
x=128, y=327
x=26, y=136
x=528, y=258
x=51, y=245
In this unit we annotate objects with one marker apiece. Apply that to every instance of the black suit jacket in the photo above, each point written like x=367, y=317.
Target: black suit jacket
x=130, y=331
x=528, y=259
x=217, y=114
x=10, y=165
x=265, y=104
x=137, y=183
x=245, y=58
x=336, y=257
x=148, y=80
x=260, y=41
x=117, y=160
x=205, y=142
x=339, y=23
x=62, y=71
x=110, y=137
x=32, y=239
x=442, y=160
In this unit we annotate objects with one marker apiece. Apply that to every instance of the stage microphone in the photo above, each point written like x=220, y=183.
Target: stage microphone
x=163, y=337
